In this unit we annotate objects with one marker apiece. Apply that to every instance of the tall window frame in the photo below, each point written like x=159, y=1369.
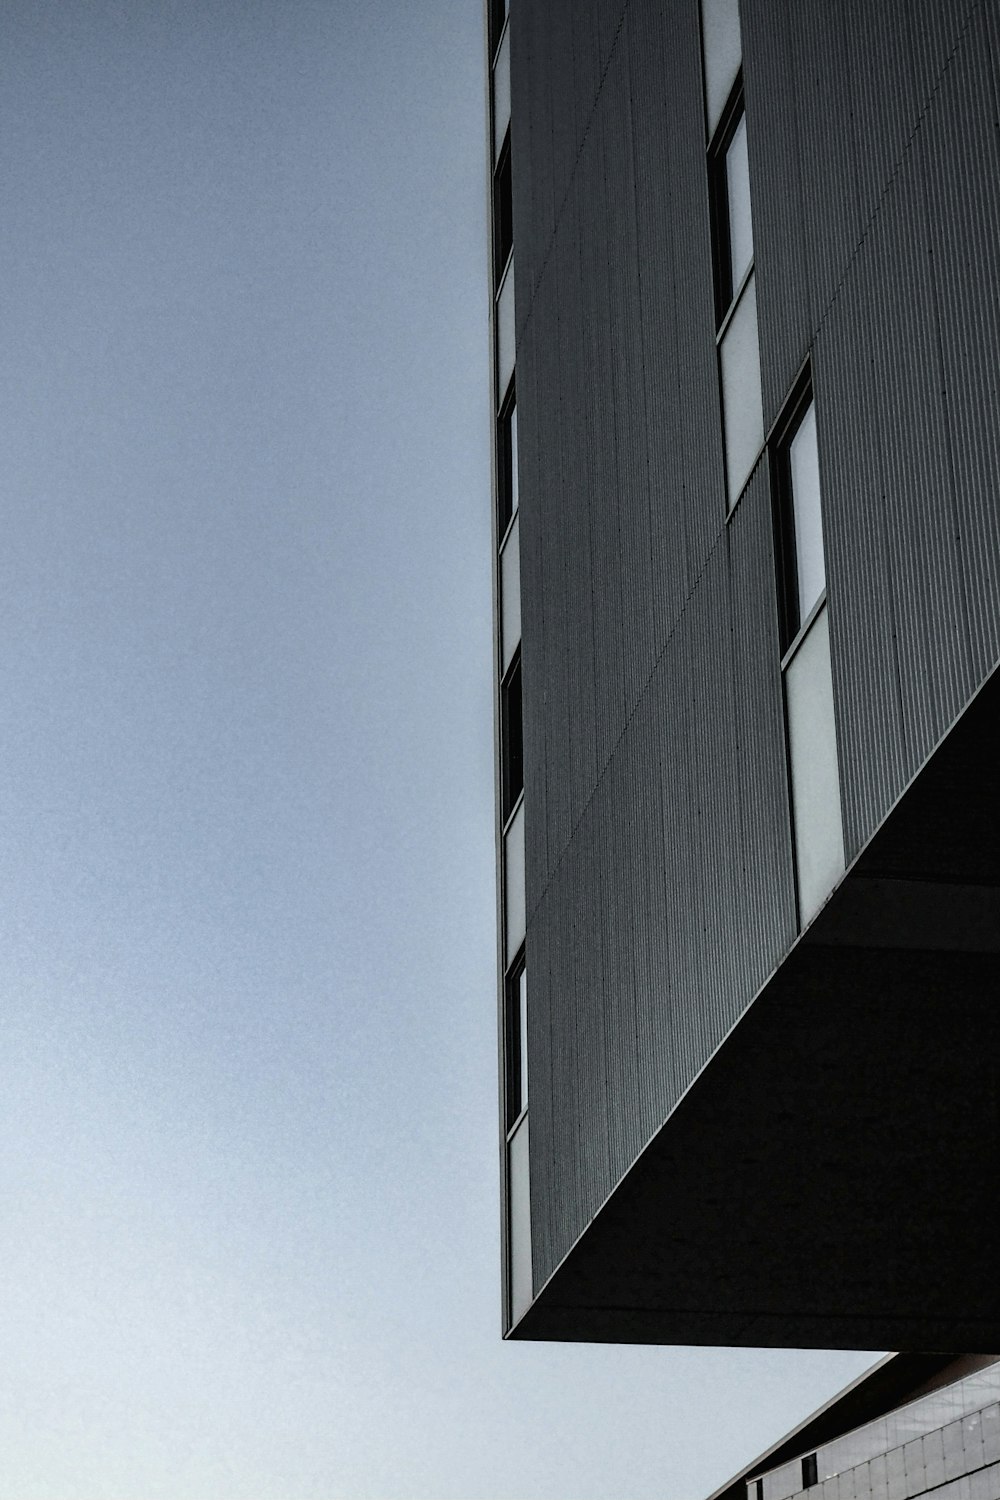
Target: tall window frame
x=498, y=11
x=503, y=213
x=511, y=739
x=729, y=179
x=801, y=580
x=515, y=1044
x=506, y=451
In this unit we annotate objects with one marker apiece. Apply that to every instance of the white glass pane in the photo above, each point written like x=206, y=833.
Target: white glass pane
x=519, y=1221
x=510, y=595
x=742, y=410
x=812, y=743
x=738, y=194
x=803, y=465
x=720, y=24
x=522, y=1032
x=513, y=886
x=501, y=94
x=513, y=461
x=505, y=330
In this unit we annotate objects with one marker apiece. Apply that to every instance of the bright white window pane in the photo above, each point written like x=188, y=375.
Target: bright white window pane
x=522, y=1032
x=519, y=1221
x=742, y=409
x=501, y=94
x=720, y=23
x=803, y=467
x=738, y=195
x=510, y=594
x=513, y=886
x=505, y=330
x=812, y=743
x=513, y=461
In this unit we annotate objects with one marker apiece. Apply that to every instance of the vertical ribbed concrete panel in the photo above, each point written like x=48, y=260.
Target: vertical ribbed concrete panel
x=627, y=413
x=882, y=117
x=600, y=489
x=831, y=214
x=533, y=634
x=531, y=151
x=561, y=75
x=668, y=520
x=580, y=638
x=961, y=168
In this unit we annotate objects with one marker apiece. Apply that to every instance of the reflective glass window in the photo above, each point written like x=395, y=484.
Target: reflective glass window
x=516, y=1001
x=506, y=466
x=498, y=11
x=510, y=596
x=501, y=94
x=740, y=233
x=503, y=213
x=720, y=33
x=742, y=408
x=505, y=330
x=513, y=885
x=519, y=1222
x=807, y=520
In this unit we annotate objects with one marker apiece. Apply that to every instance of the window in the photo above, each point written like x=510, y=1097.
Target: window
x=516, y=1043
x=721, y=49
x=810, y=713
x=733, y=265
x=503, y=213
x=729, y=171
x=506, y=466
x=511, y=739
x=498, y=16
x=800, y=519
x=742, y=404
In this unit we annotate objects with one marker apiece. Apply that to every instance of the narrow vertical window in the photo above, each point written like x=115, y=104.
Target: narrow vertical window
x=511, y=738
x=503, y=213
x=810, y=715
x=732, y=227
x=722, y=50
x=498, y=19
x=516, y=1048
x=506, y=466
x=807, y=520
x=799, y=517
x=737, y=336
x=740, y=233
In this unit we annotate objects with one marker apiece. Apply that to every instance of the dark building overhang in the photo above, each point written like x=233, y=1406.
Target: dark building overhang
x=835, y=1162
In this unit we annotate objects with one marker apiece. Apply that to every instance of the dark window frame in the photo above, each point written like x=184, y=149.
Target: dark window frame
x=726, y=295
x=511, y=738
x=503, y=212
x=498, y=12
x=506, y=465
x=513, y=1108
x=797, y=404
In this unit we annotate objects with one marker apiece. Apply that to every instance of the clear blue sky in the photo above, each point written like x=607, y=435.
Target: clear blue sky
x=248, y=1179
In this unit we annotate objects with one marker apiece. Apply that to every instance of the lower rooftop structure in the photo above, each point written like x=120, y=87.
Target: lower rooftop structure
x=913, y=1425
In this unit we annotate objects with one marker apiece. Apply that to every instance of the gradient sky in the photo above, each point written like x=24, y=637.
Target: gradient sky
x=248, y=1175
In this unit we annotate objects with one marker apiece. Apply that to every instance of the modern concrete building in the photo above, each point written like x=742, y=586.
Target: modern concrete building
x=746, y=342
x=911, y=1426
